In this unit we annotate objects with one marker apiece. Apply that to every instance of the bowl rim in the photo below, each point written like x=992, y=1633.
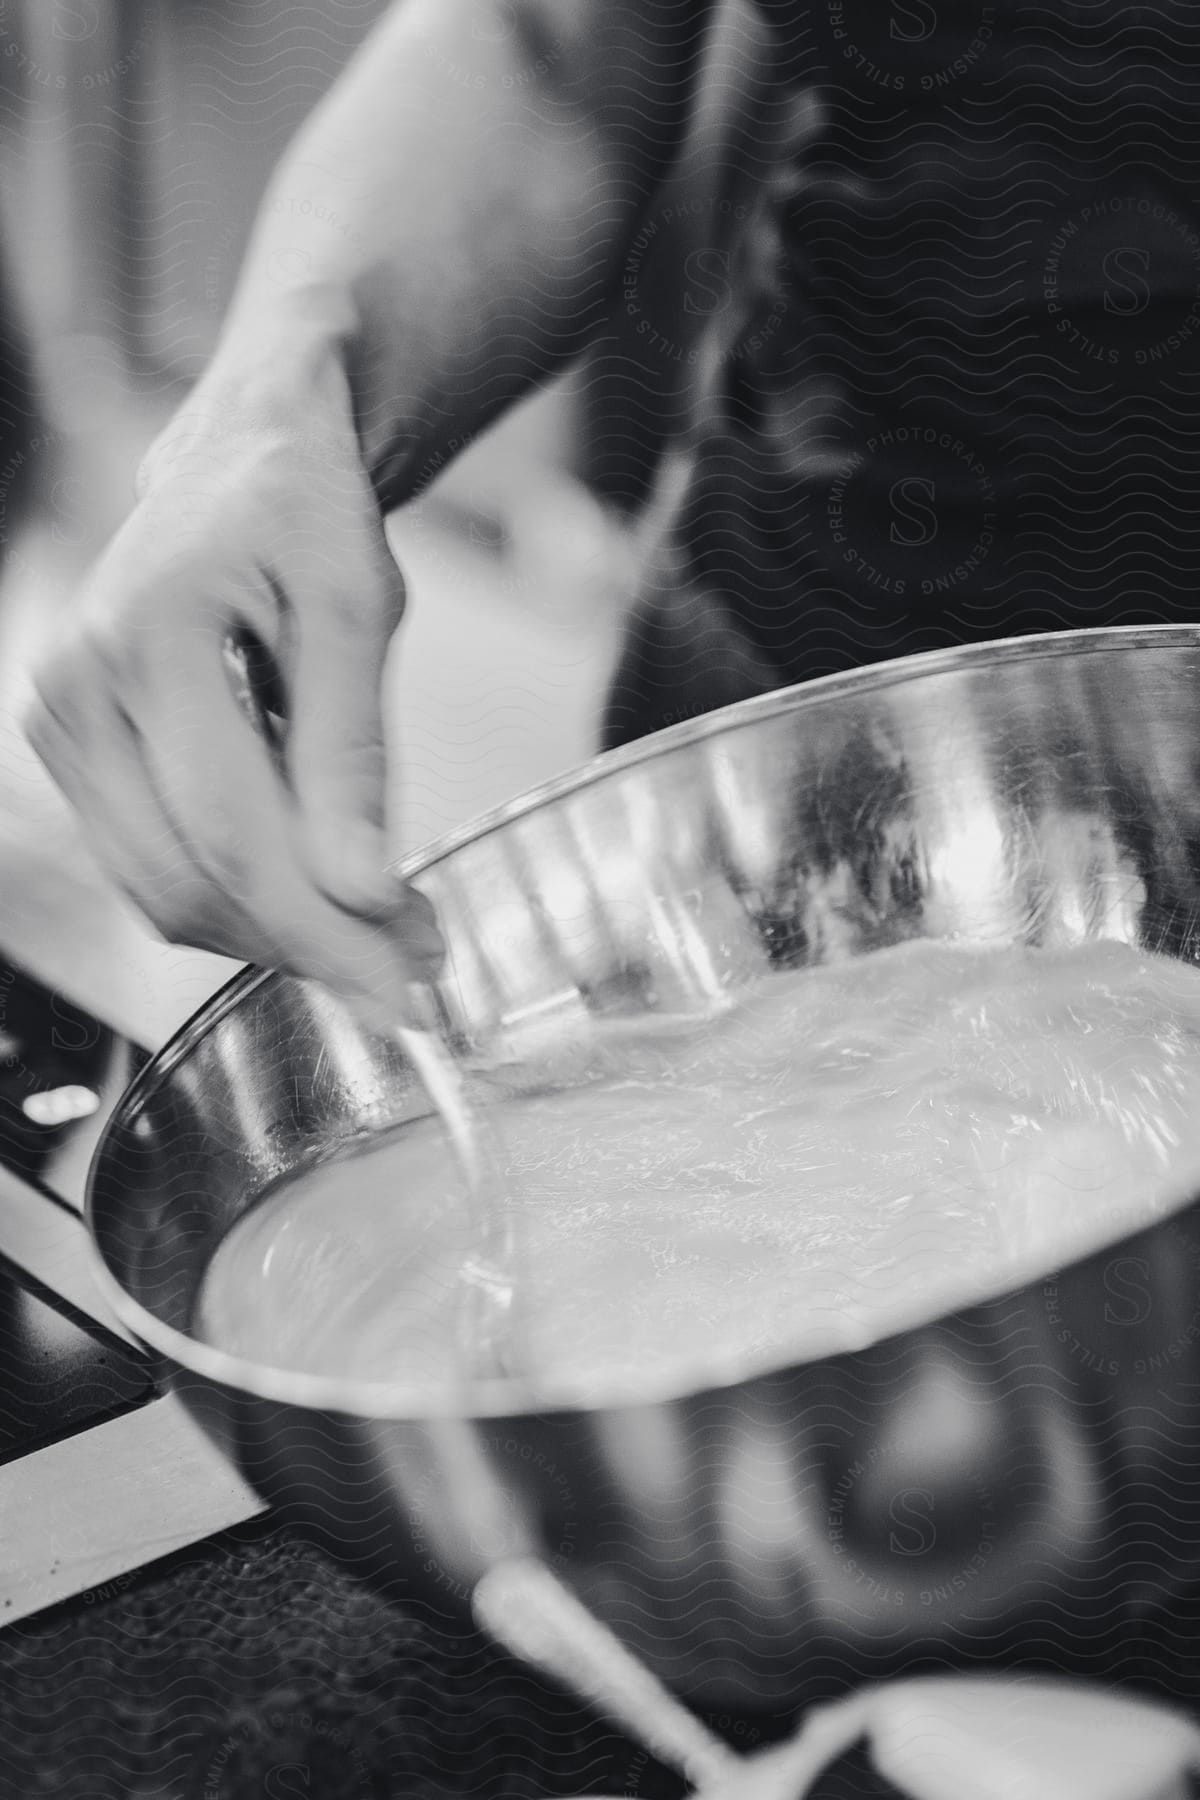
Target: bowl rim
x=510, y=1396
x=868, y=678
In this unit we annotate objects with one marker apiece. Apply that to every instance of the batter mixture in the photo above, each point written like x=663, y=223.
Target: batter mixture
x=854, y=1150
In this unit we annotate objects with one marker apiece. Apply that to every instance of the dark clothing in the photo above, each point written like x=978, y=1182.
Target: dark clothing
x=964, y=404
x=18, y=413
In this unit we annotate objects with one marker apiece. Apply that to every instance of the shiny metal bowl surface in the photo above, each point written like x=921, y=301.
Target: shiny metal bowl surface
x=1019, y=1473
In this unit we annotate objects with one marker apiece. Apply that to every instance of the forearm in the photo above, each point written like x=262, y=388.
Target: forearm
x=452, y=218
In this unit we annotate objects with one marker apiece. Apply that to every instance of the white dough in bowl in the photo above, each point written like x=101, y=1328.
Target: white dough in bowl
x=855, y=1149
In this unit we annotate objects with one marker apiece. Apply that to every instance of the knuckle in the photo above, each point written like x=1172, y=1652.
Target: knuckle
x=357, y=761
x=45, y=740
x=114, y=659
x=36, y=722
x=389, y=584
x=230, y=866
x=55, y=682
x=66, y=682
x=362, y=599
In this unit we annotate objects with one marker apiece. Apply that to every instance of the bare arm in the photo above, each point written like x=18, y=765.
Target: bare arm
x=452, y=217
x=443, y=233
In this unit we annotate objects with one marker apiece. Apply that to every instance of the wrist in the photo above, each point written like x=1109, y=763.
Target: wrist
x=282, y=378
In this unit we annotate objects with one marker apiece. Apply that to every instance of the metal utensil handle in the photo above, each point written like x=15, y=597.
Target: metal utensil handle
x=488, y=1288
x=255, y=684
x=522, y=1604
x=489, y=1273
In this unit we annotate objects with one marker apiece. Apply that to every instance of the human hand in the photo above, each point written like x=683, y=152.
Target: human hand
x=258, y=521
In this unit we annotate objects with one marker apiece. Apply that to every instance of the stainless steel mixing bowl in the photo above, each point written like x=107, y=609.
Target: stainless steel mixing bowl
x=1017, y=1475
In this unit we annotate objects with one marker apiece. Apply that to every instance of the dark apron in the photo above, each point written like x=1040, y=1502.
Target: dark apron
x=959, y=398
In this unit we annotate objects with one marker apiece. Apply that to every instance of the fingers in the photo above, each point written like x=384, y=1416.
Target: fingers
x=178, y=794
x=187, y=813
x=337, y=756
x=235, y=818
x=124, y=825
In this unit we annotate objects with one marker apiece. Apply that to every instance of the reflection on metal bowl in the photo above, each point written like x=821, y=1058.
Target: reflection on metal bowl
x=1018, y=1474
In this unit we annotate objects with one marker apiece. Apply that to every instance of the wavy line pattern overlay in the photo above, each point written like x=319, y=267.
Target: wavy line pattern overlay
x=959, y=350
x=920, y=314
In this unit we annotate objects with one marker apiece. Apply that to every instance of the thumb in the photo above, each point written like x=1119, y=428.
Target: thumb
x=336, y=753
